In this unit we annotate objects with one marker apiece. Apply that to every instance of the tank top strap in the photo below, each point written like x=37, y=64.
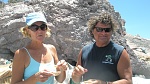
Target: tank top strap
x=27, y=51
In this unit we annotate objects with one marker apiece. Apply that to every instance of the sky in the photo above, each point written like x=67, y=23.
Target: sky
x=5, y=1
x=136, y=13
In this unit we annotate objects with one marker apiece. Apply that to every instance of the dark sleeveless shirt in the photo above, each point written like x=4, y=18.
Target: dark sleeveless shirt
x=101, y=62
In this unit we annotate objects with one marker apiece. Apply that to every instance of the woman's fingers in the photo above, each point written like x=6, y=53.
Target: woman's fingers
x=62, y=65
x=42, y=76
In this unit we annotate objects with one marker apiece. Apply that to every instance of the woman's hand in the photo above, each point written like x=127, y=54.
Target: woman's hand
x=42, y=76
x=62, y=65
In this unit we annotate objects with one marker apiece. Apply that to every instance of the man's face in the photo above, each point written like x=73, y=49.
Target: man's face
x=102, y=32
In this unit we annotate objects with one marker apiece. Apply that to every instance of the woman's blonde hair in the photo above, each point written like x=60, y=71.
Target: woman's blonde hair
x=25, y=32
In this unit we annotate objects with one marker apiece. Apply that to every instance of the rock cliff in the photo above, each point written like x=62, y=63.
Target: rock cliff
x=67, y=20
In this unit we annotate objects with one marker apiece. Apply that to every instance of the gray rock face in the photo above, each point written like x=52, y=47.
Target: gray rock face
x=67, y=20
x=140, y=56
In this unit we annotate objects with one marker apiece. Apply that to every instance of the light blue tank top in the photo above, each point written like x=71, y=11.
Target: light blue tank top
x=34, y=67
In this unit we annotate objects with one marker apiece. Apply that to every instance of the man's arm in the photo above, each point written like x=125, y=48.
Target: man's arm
x=79, y=70
x=124, y=69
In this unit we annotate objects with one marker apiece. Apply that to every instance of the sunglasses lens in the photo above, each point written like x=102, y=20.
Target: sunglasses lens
x=43, y=27
x=107, y=29
x=34, y=27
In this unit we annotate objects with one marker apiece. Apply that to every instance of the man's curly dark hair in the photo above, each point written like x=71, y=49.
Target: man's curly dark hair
x=105, y=18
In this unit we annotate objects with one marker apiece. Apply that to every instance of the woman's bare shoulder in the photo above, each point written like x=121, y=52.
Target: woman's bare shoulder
x=20, y=53
x=19, y=57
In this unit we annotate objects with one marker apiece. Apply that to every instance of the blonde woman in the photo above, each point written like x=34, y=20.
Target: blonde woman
x=37, y=62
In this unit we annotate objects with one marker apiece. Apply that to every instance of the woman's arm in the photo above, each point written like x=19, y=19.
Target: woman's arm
x=18, y=69
x=61, y=77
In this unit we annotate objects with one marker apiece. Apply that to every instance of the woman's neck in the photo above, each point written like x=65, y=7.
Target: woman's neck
x=35, y=45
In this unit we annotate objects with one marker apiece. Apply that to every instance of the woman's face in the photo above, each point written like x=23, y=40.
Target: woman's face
x=38, y=31
x=102, y=33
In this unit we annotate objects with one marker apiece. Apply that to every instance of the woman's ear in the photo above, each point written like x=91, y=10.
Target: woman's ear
x=28, y=31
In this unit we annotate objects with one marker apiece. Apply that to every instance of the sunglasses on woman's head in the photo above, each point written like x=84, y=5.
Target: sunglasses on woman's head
x=99, y=29
x=35, y=27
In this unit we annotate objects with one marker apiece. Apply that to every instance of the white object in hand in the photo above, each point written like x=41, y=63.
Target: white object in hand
x=49, y=67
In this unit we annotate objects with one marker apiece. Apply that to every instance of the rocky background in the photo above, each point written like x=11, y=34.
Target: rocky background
x=67, y=20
